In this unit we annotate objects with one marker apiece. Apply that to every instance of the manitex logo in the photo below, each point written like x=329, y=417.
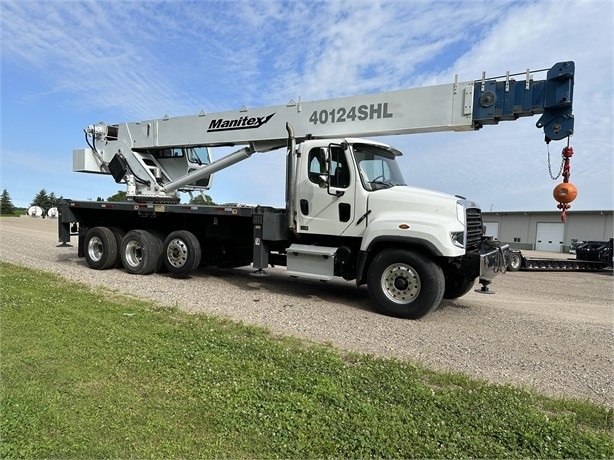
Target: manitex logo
x=220, y=124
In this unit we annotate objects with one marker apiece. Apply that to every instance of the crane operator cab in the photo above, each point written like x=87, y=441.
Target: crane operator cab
x=178, y=161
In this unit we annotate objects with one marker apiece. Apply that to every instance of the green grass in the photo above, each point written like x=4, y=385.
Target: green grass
x=93, y=374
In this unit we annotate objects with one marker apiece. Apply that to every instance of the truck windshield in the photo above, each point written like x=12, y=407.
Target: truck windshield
x=377, y=166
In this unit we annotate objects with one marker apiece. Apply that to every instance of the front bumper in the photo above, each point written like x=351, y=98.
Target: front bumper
x=494, y=259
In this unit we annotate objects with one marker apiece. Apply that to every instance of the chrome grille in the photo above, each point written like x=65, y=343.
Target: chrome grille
x=474, y=230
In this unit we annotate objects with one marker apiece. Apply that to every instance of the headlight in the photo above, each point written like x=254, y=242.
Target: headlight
x=458, y=238
x=460, y=213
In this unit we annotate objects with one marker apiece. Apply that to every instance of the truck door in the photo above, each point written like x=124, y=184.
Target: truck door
x=326, y=193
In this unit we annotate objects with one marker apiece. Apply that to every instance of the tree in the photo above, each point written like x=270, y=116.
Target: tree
x=6, y=204
x=52, y=201
x=119, y=196
x=41, y=199
x=202, y=199
x=46, y=200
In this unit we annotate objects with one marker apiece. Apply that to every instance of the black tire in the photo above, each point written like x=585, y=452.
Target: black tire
x=181, y=252
x=100, y=248
x=159, y=236
x=457, y=287
x=405, y=284
x=141, y=252
x=119, y=237
x=515, y=262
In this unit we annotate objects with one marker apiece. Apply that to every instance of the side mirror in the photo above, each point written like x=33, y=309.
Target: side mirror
x=334, y=191
x=323, y=180
x=324, y=160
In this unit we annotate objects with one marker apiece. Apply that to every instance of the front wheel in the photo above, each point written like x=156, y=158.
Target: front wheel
x=405, y=284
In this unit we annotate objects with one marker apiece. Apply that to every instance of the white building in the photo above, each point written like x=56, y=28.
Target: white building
x=544, y=231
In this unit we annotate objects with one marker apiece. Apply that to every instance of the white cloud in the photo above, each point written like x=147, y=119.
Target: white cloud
x=95, y=54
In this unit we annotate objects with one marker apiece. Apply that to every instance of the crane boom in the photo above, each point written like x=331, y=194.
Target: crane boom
x=459, y=106
x=134, y=148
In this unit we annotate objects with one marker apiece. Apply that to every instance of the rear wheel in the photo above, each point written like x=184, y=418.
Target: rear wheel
x=119, y=237
x=405, y=284
x=181, y=252
x=141, y=252
x=100, y=248
x=515, y=262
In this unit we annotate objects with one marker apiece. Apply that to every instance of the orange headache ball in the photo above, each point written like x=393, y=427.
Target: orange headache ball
x=565, y=192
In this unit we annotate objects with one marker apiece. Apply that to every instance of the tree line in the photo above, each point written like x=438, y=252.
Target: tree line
x=47, y=201
x=42, y=199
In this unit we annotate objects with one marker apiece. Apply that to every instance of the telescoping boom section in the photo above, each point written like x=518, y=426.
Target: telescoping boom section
x=158, y=157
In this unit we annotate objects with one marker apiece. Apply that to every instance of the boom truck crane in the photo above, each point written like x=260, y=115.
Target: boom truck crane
x=348, y=211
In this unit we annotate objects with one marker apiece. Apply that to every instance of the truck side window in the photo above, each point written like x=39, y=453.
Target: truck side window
x=317, y=166
x=339, y=174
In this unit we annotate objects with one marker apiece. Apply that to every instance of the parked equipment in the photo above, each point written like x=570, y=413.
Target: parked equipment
x=590, y=256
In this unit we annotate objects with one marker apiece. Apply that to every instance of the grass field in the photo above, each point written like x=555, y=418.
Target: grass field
x=94, y=374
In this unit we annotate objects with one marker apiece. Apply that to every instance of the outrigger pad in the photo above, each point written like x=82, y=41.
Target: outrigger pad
x=484, y=289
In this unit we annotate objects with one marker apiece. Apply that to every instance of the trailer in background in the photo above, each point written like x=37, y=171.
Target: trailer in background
x=590, y=256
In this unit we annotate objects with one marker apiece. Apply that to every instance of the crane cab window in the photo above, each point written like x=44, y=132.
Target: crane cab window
x=339, y=174
x=166, y=153
x=197, y=155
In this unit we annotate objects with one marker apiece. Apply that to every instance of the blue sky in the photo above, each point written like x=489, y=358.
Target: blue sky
x=67, y=64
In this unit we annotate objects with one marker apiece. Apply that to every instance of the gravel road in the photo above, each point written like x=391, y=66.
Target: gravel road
x=545, y=330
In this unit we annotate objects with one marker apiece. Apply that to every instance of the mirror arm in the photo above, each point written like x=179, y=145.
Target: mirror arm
x=337, y=193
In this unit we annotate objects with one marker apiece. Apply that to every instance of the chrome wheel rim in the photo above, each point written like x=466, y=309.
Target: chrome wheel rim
x=95, y=248
x=401, y=283
x=177, y=253
x=134, y=253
